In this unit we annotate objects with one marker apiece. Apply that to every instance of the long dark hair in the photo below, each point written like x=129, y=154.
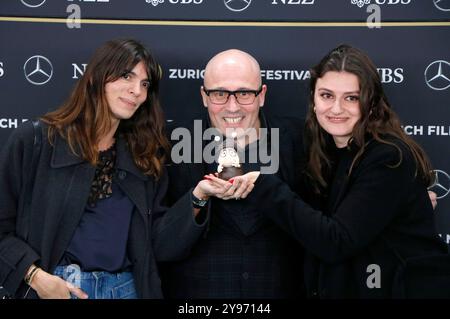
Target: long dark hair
x=378, y=120
x=85, y=117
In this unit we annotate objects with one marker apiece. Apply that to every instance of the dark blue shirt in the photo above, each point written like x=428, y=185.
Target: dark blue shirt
x=100, y=240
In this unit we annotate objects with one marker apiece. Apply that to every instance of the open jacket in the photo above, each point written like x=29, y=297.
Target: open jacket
x=367, y=213
x=60, y=192
x=220, y=260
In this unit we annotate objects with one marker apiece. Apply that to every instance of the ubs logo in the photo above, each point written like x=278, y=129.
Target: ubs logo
x=154, y=2
x=360, y=3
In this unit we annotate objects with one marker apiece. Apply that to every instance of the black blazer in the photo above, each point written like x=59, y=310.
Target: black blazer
x=225, y=261
x=59, y=196
x=375, y=204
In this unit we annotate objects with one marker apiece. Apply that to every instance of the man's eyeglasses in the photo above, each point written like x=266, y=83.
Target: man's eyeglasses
x=243, y=97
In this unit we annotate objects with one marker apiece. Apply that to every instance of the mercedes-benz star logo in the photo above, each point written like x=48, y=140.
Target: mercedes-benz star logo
x=437, y=75
x=237, y=5
x=443, y=5
x=441, y=185
x=38, y=70
x=33, y=3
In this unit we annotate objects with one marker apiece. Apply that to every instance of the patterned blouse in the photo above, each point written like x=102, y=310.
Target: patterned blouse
x=102, y=184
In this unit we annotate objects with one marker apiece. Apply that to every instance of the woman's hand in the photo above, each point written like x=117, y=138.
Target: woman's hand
x=240, y=188
x=206, y=188
x=48, y=286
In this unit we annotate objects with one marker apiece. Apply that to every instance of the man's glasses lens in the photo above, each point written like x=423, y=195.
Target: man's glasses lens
x=242, y=97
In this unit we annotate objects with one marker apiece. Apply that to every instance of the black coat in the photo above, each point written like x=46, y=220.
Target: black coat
x=59, y=196
x=264, y=262
x=375, y=205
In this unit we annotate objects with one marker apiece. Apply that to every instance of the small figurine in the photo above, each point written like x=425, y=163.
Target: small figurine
x=229, y=165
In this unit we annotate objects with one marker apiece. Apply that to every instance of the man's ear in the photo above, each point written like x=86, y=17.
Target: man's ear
x=204, y=97
x=262, y=95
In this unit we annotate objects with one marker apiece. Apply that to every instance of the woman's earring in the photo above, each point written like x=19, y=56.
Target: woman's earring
x=314, y=109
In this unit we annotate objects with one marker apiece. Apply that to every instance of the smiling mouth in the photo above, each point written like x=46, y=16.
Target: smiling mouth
x=128, y=102
x=233, y=120
x=335, y=119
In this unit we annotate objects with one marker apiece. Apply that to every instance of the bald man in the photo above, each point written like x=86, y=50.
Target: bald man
x=233, y=70
x=242, y=254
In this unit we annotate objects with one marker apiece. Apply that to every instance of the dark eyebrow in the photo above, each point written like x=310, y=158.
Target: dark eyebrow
x=324, y=89
x=328, y=90
x=134, y=74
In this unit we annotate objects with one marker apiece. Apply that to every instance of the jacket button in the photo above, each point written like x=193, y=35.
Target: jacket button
x=245, y=275
x=122, y=174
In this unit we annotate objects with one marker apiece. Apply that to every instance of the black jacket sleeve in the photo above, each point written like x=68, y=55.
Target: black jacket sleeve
x=16, y=256
x=372, y=201
x=175, y=229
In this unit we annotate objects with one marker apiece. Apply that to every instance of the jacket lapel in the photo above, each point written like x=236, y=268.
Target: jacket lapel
x=77, y=188
x=131, y=179
x=74, y=203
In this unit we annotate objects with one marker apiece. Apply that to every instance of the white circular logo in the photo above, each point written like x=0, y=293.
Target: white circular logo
x=33, y=3
x=38, y=70
x=437, y=75
x=443, y=5
x=441, y=185
x=237, y=5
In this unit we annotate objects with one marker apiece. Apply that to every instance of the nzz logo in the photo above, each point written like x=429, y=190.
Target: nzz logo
x=156, y=2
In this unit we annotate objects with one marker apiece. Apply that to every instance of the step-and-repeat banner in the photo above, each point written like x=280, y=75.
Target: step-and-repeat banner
x=45, y=47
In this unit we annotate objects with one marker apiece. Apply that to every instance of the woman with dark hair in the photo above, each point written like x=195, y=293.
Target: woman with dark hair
x=368, y=206
x=96, y=224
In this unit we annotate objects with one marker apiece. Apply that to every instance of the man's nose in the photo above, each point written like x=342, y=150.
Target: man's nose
x=232, y=104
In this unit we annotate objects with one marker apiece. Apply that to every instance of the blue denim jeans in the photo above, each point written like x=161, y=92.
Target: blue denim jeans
x=99, y=284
